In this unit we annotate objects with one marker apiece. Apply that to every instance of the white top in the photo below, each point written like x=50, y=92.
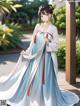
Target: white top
x=52, y=45
x=54, y=41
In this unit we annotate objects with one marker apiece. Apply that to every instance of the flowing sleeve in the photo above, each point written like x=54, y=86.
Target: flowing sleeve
x=35, y=31
x=52, y=46
x=32, y=38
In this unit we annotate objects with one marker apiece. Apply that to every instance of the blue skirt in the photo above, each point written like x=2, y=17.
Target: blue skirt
x=44, y=89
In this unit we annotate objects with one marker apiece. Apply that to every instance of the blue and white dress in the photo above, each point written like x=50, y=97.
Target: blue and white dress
x=34, y=79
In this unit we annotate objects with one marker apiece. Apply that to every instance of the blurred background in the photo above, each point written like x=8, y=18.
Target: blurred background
x=17, y=21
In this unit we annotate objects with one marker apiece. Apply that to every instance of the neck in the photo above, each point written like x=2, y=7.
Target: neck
x=47, y=23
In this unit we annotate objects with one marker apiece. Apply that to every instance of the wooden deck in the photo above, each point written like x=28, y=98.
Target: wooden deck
x=74, y=88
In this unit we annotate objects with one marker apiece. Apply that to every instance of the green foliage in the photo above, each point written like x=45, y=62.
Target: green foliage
x=62, y=55
x=8, y=5
x=78, y=55
x=9, y=36
x=59, y=18
x=77, y=14
x=28, y=12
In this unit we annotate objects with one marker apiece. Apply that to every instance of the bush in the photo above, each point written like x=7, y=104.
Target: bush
x=9, y=36
x=28, y=12
x=78, y=56
x=61, y=55
x=59, y=18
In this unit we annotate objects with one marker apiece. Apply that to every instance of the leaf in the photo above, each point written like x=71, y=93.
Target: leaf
x=5, y=9
x=4, y=36
x=13, y=8
x=17, y=5
x=10, y=34
x=2, y=11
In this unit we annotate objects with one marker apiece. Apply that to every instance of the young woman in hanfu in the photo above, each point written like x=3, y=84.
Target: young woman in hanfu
x=34, y=79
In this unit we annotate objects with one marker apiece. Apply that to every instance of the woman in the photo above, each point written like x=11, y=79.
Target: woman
x=34, y=79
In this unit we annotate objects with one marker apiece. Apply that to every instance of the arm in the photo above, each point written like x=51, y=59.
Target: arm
x=32, y=40
x=53, y=45
x=35, y=31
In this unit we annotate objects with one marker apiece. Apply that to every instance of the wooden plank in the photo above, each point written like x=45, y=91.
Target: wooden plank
x=70, y=42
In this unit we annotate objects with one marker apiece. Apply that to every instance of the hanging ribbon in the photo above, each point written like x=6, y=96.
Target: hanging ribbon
x=47, y=35
x=28, y=92
x=35, y=37
x=43, y=69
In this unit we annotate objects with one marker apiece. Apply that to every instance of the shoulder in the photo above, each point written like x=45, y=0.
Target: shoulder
x=54, y=32
x=37, y=25
x=53, y=28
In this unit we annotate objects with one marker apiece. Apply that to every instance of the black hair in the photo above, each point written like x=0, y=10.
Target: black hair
x=45, y=9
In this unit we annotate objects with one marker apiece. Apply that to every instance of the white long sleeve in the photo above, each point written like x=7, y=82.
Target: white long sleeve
x=31, y=43
x=53, y=45
x=35, y=30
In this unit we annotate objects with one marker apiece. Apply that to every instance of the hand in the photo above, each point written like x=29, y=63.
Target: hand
x=22, y=52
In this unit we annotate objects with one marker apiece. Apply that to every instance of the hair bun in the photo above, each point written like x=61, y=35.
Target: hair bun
x=51, y=7
x=47, y=8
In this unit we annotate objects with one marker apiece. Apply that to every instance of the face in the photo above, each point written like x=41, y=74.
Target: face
x=45, y=17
